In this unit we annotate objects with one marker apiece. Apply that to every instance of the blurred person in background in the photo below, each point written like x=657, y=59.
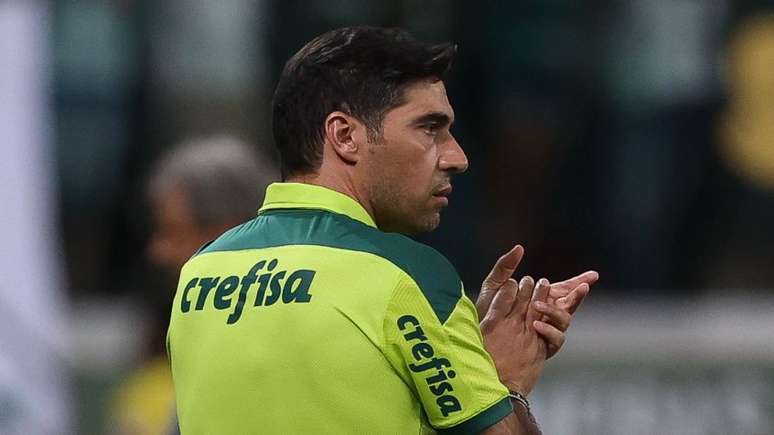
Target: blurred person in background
x=182, y=189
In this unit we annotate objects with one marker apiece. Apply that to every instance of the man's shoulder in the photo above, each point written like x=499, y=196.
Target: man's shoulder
x=433, y=274
x=322, y=228
x=422, y=262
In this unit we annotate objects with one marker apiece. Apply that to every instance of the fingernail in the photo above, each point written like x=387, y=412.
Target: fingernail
x=543, y=281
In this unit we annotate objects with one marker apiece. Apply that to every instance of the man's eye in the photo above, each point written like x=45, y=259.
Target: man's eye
x=431, y=129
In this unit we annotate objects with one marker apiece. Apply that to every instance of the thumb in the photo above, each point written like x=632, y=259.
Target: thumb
x=499, y=275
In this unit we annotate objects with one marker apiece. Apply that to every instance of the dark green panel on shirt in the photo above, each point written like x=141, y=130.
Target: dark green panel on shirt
x=434, y=275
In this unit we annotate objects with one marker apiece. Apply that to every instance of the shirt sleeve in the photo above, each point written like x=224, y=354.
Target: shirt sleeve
x=442, y=358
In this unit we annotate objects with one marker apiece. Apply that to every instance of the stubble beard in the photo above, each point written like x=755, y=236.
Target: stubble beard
x=391, y=204
x=394, y=213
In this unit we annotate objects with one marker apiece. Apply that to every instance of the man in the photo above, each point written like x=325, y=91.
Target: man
x=317, y=316
x=182, y=187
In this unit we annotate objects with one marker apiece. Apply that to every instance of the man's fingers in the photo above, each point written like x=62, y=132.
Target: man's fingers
x=541, y=294
x=503, y=301
x=554, y=338
x=541, y=290
x=563, y=288
x=572, y=301
x=526, y=288
x=553, y=315
x=484, y=300
x=500, y=273
x=504, y=268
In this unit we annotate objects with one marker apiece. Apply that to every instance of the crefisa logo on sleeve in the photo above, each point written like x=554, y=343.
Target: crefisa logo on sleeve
x=439, y=370
x=271, y=287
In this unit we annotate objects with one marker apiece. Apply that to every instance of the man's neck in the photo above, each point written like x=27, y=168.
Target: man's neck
x=339, y=184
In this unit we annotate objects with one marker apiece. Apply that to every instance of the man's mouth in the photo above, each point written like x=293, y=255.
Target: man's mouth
x=444, y=191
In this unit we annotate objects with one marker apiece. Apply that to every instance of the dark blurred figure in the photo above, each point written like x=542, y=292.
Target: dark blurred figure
x=196, y=192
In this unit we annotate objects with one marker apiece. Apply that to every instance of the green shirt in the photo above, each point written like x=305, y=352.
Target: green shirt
x=308, y=319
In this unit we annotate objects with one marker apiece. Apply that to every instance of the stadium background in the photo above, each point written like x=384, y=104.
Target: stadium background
x=633, y=137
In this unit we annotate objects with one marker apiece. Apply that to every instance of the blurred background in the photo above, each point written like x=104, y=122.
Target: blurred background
x=633, y=137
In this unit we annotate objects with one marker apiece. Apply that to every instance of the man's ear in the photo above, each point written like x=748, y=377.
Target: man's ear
x=346, y=135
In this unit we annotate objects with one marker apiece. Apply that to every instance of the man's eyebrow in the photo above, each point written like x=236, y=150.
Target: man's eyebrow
x=440, y=118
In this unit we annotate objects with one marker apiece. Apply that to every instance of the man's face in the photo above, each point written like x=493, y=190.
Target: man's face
x=409, y=170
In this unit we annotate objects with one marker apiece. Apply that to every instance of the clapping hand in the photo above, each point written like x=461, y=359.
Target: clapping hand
x=556, y=309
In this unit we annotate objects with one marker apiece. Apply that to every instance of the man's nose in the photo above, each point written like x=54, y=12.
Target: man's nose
x=453, y=158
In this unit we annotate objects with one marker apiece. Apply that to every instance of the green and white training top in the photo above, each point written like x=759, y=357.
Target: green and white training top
x=308, y=319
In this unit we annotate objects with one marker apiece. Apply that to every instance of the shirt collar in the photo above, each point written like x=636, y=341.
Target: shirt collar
x=302, y=195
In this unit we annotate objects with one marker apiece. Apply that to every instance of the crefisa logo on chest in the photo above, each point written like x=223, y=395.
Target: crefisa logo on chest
x=438, y=370
x=270, y=286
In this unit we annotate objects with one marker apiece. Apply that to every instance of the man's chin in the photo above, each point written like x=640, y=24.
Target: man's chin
x=429, y=223
x=413, y=225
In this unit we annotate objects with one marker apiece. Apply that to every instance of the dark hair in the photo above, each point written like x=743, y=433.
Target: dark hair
x=361, y=71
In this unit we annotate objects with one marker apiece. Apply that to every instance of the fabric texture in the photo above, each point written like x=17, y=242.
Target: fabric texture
x=308, y=319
